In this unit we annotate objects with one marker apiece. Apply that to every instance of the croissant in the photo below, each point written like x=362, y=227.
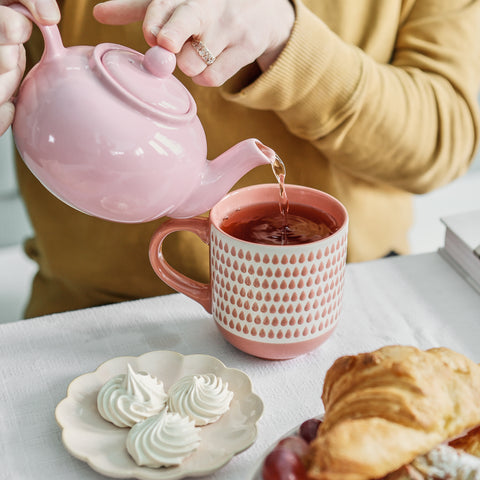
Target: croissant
x=384, y=408
x=469, y=443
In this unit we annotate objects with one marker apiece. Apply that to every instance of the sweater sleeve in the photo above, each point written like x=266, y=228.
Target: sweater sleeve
x=412, y=123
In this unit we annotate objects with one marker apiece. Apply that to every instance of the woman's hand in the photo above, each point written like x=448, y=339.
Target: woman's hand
x=236, y=32
x=15, y=29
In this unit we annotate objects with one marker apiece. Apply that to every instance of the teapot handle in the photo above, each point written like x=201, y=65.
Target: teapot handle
x=200, y=292
x=51, y=34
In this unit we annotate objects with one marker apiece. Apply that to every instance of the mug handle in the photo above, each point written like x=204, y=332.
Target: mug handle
x=198, y=291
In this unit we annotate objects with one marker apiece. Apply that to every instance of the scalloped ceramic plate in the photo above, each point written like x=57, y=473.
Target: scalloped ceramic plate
x=88, y=437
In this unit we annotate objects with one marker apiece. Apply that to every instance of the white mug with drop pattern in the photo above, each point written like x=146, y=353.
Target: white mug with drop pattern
x=271, y=301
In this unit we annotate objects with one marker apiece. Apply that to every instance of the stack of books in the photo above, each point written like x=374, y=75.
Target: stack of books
x=462, y=245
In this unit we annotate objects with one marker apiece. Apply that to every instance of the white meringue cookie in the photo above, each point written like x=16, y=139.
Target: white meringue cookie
x=128, y=399
x=162, y=440
x=203, y=398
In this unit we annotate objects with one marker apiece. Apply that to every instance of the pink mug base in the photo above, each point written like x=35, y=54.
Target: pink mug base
x=274, y=351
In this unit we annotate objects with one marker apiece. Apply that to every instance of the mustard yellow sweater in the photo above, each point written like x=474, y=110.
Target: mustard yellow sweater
x=371, y=101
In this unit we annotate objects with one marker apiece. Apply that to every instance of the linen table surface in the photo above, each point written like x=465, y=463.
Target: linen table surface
x=413, y=300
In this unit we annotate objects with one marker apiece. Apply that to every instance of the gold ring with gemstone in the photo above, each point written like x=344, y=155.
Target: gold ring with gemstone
x=205, y=54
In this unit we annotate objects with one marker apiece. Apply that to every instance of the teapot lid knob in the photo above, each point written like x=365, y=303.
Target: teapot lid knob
x=159, y=61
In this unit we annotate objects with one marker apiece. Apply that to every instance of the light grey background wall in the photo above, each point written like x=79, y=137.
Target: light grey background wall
x=13, y=219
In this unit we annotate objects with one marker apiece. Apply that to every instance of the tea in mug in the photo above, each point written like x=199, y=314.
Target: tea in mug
x=265, y=223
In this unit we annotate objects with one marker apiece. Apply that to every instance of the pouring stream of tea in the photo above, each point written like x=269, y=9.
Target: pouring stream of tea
x=280, y=171
x=284, y=224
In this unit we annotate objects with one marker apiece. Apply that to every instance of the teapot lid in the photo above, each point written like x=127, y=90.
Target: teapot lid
x=146, y=81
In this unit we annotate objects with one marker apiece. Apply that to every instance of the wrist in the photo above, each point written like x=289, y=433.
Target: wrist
x=282, y=35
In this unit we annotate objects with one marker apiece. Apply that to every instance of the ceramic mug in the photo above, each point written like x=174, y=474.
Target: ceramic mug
x=271, y=301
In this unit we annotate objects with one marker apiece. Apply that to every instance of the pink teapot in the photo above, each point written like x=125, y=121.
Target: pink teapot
x=114, y=134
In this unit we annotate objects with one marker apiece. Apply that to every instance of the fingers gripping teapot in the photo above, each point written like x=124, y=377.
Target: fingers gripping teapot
x=114, y=134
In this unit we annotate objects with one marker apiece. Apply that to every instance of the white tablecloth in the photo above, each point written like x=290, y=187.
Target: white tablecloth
x=418, y=300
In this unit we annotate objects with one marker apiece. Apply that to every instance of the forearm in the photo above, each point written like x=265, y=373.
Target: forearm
x=412, y=123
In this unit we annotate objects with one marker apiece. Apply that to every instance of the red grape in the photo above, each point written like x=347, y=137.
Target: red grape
x=283, y=464
x=296, y=444
x=308, y=429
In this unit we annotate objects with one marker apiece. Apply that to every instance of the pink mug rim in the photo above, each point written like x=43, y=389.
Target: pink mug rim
x=256, y=194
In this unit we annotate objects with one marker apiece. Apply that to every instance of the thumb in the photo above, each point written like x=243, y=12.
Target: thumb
x=45, y=12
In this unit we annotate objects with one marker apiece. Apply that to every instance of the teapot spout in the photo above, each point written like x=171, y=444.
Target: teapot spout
x=219, y=176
